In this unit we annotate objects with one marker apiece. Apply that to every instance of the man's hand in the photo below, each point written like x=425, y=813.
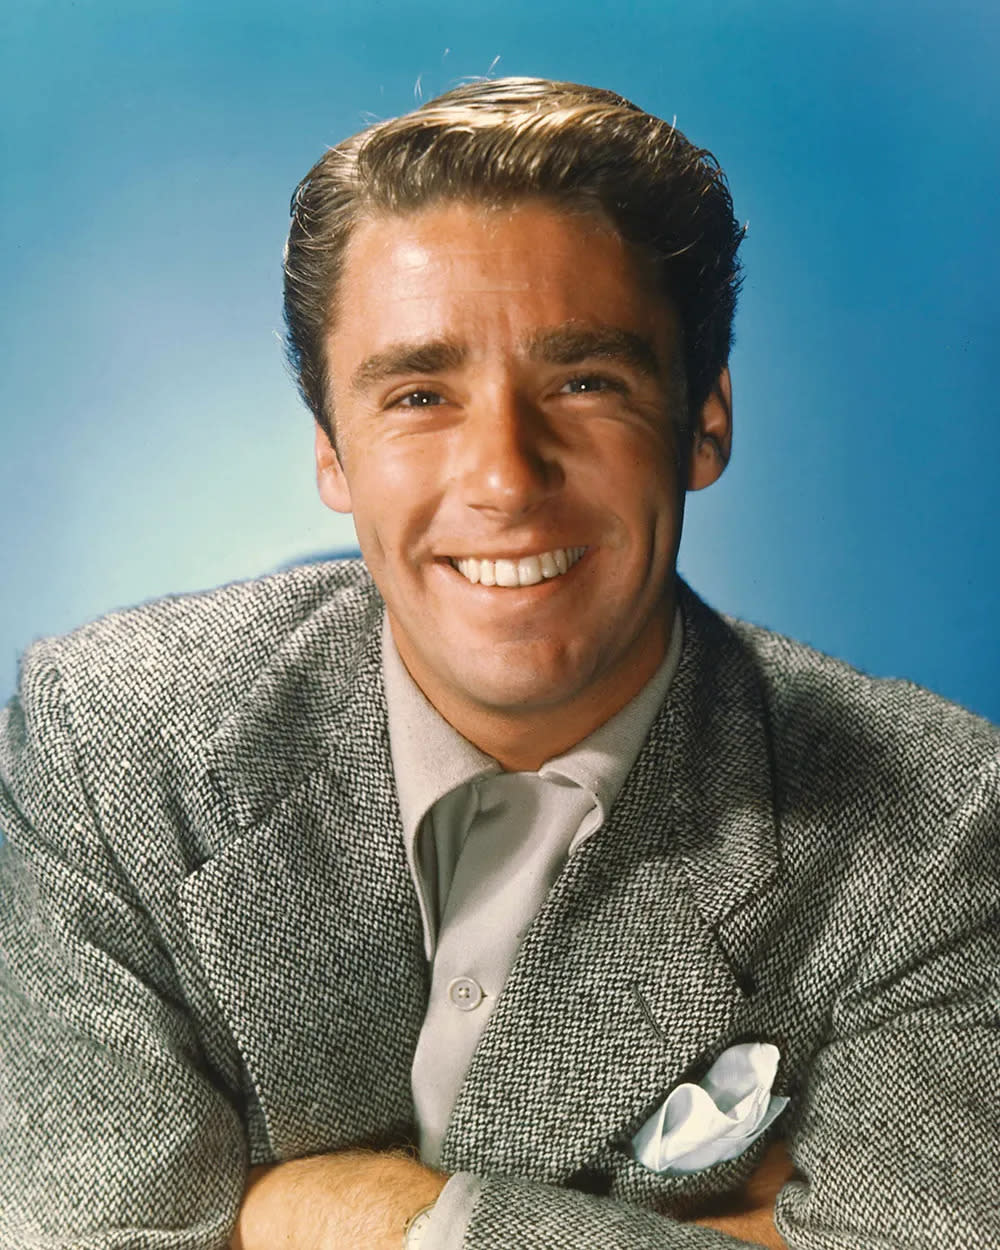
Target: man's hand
x=353, y=1200
x=752, y=1217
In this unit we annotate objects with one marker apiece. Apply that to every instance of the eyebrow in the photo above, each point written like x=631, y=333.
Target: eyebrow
x=572, y=344
x=563, y=345
x=436, y=356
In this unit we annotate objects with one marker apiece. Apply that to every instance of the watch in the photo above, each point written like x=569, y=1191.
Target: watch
x=416, y=1226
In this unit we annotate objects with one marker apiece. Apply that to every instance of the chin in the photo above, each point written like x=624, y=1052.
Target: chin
x=517, y=686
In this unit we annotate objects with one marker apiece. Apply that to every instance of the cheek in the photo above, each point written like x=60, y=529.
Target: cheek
x=634, y=473
x=396, y=490
x=633, y=442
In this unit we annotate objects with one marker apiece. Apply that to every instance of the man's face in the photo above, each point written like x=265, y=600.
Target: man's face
x=503, y=389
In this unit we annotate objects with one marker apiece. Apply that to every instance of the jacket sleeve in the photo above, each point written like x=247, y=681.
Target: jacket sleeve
x=896, y=1136
x=113, y=1134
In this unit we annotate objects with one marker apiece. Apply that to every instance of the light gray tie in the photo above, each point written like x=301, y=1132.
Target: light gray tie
x=516, y=845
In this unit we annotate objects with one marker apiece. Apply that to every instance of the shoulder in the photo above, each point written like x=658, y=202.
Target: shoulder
x=192, y=658
x=884, y=741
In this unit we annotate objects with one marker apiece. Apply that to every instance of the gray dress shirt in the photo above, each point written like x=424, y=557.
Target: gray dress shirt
x=484, y=847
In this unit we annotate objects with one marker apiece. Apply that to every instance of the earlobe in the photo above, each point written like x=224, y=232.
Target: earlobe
x=712, y=440
x=330, y=479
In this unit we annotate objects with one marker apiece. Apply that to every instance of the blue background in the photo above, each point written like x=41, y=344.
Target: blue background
x=152, y=441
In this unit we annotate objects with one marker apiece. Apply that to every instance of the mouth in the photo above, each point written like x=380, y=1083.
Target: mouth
x=523, y=571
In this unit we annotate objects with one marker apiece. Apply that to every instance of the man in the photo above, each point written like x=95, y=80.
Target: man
x=501, y=846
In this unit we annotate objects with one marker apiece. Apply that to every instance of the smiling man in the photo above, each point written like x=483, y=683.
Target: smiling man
x=509, y=399
x=494, y=891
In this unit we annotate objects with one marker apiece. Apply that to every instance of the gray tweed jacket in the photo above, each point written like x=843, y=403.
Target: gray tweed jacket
x=210, y=952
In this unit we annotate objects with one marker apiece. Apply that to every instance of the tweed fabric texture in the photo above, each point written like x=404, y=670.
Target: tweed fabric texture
x=210, y=948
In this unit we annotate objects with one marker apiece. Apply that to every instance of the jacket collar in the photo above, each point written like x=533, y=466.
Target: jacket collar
x=718, y=744
x=317, y=703
x=320, y=701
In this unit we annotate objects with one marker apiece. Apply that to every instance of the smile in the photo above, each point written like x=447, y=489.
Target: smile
x=526, y=571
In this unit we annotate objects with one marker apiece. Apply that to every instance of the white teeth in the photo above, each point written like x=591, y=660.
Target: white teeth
x=527, y=571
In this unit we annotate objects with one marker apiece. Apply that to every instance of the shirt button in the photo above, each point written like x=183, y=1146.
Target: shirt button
x=465, y=994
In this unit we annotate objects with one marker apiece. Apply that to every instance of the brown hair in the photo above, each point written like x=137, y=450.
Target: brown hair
x=507, y=139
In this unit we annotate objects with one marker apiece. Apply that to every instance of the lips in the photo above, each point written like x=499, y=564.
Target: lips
x=524, y=571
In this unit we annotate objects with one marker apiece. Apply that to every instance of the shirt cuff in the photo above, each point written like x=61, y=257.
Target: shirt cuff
x=450, y=1214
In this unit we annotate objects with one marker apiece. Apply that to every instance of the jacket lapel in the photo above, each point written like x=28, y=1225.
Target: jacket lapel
x=623, y=985
x=306, y=921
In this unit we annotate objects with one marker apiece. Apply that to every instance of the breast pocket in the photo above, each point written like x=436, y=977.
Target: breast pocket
x=617, y=1174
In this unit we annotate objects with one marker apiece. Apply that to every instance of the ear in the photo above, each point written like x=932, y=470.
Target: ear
x=712, y=441
x=330, y=479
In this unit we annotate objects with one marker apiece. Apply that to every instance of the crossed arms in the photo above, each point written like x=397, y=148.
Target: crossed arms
x=121, y=1125
x=358, y=1198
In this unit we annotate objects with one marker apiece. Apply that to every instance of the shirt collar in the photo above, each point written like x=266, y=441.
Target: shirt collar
x=430, y=758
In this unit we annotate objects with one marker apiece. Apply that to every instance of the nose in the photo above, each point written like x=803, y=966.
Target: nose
x=509, y=459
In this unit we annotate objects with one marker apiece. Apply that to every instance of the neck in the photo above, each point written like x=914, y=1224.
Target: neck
x=522, y=745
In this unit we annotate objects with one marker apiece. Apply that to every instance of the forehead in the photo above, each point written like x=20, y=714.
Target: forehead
x=465, y=269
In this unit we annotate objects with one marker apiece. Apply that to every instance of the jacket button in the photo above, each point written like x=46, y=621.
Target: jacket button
x=465, y=994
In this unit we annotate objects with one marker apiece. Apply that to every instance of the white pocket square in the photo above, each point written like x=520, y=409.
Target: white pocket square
x=699, y=1125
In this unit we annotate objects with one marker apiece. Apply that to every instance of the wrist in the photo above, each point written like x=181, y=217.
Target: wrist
x=348, y=1198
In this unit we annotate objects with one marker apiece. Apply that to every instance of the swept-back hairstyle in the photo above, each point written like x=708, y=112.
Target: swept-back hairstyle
x=499, y=141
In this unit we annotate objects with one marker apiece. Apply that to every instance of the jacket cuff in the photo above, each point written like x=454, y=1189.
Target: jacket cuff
x=450, y=1216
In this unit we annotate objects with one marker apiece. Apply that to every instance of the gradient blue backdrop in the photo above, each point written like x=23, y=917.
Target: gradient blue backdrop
x=152, y=442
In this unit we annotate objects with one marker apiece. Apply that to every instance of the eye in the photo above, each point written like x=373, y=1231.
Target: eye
x=593, y=383
x=417, y=399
